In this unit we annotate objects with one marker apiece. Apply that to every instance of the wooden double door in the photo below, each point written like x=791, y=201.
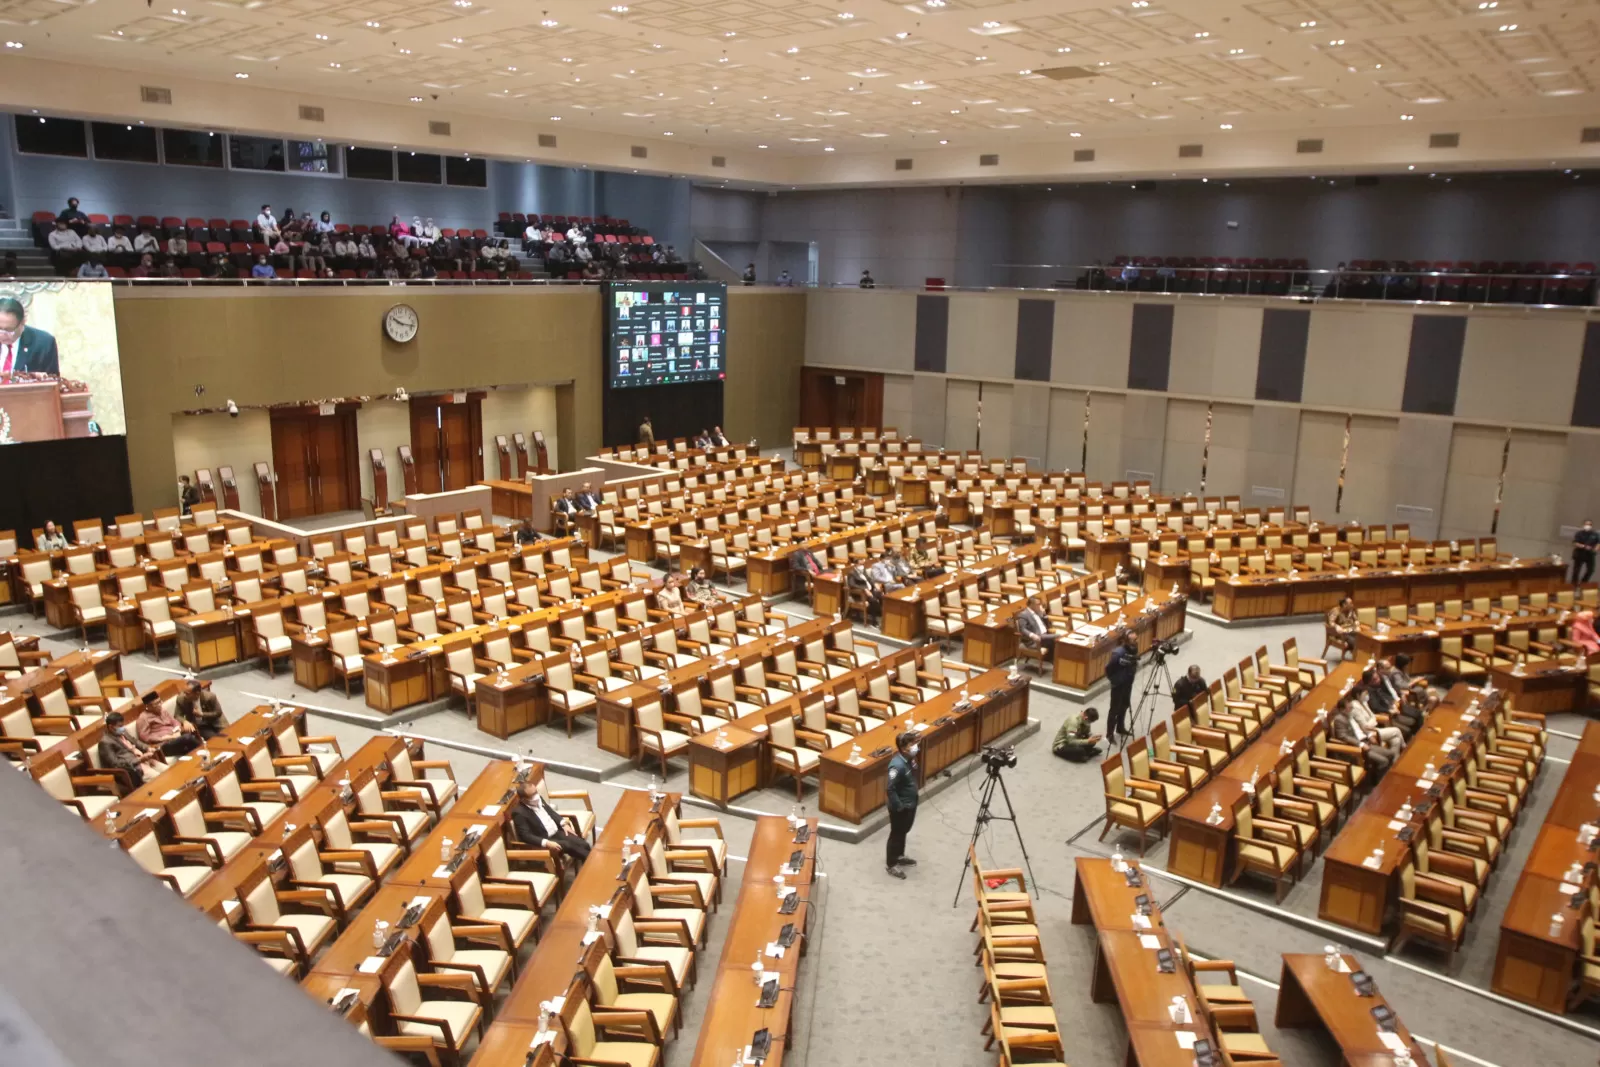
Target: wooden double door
x=315, y=457
x=447, y=441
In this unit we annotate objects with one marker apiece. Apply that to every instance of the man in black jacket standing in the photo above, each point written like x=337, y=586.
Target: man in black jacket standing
x=902, y=803
x=1120, y=669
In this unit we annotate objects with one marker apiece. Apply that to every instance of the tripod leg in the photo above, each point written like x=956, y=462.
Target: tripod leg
x=1011, y=816
x=982, y=819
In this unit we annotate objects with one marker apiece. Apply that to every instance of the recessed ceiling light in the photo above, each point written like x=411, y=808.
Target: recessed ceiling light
x=14, y=44
x=241, y=74
x=1412, y=166
x=619, y=9
x=805, y=77
x=955, y=111
x=902, y=35
x=666, y=133
x=457, y=40
x=371, y=25
x=405, y=51
x=512, y=69
x=549, y=24
x=914, y=103
x=1407, y=118
x=416, y=99
x=791, y=50
x=980, y=59
x=335, y=66
x=322, y=37
x=1064, y=48
x=1202, y=34
x=944, y=142
x=933, y=3
x=847, y=16
x=1308, y=24
x=555, y=118
x=1236, y=51
x=1336, y=43
x=1025, y=73
x=1074, y=133
x=1508, y=27
x=566, y=59
x=731, y=33
x=1226, y=126
x=761, y=146
x=828, y=148
x=1141, y=3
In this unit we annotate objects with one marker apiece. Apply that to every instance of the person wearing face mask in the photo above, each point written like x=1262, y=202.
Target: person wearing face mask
x=1584, y=543
x=902, y=803
x=120, y=749
x=540, y=825
x=188, y=495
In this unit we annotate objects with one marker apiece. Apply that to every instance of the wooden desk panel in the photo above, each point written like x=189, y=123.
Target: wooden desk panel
x=1313, y=995
x=1545, y=686
x=725, y=764
x=1079, y=664
x=1260, y=596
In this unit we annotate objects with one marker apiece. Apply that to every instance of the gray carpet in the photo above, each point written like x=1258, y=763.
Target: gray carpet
x=890, y=962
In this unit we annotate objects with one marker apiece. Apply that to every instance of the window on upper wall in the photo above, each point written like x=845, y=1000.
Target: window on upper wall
x=421, y=167
x=127, y=144
x=255, y=153
x=374, y=163
x=473, y=173
x=313, y=157
x=191, y=148
x=52, y=137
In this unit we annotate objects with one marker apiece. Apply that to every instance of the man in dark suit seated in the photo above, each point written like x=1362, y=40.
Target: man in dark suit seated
x=541, y=826
x=22, y=347
x=566, y=508
x=587, y=498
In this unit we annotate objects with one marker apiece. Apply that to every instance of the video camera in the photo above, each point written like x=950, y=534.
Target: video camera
x=1162, y=649
x=996, y=758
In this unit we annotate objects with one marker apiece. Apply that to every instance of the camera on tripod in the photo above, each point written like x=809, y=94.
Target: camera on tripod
x=1162, y=649
x=996, y=758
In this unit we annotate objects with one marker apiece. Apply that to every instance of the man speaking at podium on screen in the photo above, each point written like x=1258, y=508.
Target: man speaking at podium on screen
x=23, y=348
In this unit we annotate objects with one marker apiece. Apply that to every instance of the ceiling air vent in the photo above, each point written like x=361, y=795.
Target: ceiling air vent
x=719, y=161
x=311, y=114
x=989, y=161
x=640, y=152
x=1309, y=146
x=1191, y=151
x=1444, y=140
x=154, y=94
x=902, y=164
x=547, y=140
x=1083, y=155
x=438, y=129
x=1066, y=74
x=1591, y=135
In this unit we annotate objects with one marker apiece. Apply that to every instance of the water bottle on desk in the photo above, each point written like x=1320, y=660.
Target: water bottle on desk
x=380, y=935
x=445, y=848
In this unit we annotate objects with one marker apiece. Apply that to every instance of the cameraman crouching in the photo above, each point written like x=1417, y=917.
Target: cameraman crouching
x=1073, y=741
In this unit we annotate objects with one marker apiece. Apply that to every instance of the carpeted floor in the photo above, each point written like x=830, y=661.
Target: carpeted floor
x=890, y=962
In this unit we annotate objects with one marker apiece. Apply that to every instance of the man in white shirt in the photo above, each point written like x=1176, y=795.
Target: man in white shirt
x=94, y=244
x=575, y=235
x=267, y=224
x=119, y=242
x=146, y=242
x=344, y=248
x=92, y=268
x=430, y=232
x=532, y=235
x=66, y=247
x=177, y=245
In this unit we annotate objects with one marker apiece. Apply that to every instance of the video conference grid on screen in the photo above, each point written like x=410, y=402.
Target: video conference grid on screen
x=666, y=332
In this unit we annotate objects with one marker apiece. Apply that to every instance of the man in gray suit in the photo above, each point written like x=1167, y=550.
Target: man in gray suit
x=23, y=348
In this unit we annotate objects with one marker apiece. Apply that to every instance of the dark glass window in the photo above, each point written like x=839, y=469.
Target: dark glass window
x=422, y=167
x=52, y=137
x=192, y=148
x=470, y=172
x=313, y=157
x=375, y=163
x=255, y=153
x=130, y=144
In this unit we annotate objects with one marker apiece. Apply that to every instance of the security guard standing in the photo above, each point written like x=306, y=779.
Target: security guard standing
x=902, y=803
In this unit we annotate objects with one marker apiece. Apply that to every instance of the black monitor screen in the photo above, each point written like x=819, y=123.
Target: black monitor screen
x=664, y=333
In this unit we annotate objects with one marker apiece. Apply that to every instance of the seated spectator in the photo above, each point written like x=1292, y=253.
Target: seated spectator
x=314, y=253
x=582, y=254
x=267, y=225
x=325, y=223
x=749, y=276
x=119, y=244
x=575, y=235
x=281, y=253
x=159, y=728
x=218, y=267
x=92, y=268
x=593, y=272
x=145, y=268
x=178, y=245
x=400, y=233
x=785, y=280
x=147, y=243
x=490, y=254
x=672, y=254
x=66, y=247
x=419, y=231
x=72, y=216
x=292, y=226
x=658, y=254
x=390, y=269
x=867, y=281
x=366, y=252
x=51, y=539
x=94, y=244
x=344, y=251
x=262, y=268
x=427, y=270
x=8, y=266
x=532, y=235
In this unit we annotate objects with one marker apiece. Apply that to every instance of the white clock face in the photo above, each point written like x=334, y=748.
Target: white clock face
x=400, y=322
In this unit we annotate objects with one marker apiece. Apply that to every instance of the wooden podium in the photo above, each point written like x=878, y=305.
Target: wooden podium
x=503, y=450
x=203, y=482
x=230, y=488
x=269, y=491
x=408, y=470
x=542, y=461
x=380, y=480
x=44, y=408
x=520, y=443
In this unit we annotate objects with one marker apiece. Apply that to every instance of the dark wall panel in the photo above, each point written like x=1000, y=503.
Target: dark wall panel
x=1281, y=370
x=1433, y=367
x=933, y=333
x=78, y=478
x=677, y=410
x=1036, y=323
x=1586, y=405
x=1150, y=347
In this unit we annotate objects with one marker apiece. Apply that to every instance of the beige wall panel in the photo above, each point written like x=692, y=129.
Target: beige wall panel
x=1421, y=465
x=1238, y=354
x=1105, y=438
x=508, y=411
x=1274, y=438
x=1356, y=358
x=1520, y=370
x=1530, y=505
x=1066, y=430
x=766, y=349
x=1229, y=454
x=1144, y=421
x=927, y=411
x=1369, y=471
x=216, y=441
x=386, y=425
x=997, y=426
x=1090, y=343
x=1186, y=435
x=983, y=335
x=897, y=402
x=1030, y=422
x=960, y=414
x=1476, y=453
x=1580, y=493
x=1316, y=468
x=1194, y=348
x=875, y=329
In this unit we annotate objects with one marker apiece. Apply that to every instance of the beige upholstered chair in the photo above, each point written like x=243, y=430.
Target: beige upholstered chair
x=1130, y=803
x=788, y=755
x=562, y=688
x=448, y=1023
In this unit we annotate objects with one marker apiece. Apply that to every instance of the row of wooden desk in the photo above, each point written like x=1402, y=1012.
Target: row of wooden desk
x=1253, y=596
x=1534, y=964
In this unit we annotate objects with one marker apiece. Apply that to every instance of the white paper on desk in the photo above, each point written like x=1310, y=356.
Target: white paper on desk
x=591, y=937
x=919, y=727
x=1141, y=922
x=419, y=902
x=478, y=828
x=1396, y=824
x=759, y=728
x=775, y=950
x=1372, y=862
x=490, y=810
x=1570, y=888
x=787, y=890
x=371, y=965
x=441, y=872
x=169, y=794
x=1392, y=1042
x=1149, y=941
x=542, y=1039
x=1186, y=1038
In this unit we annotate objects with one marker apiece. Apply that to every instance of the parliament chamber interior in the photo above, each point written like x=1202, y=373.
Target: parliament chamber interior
x=1022, y=532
